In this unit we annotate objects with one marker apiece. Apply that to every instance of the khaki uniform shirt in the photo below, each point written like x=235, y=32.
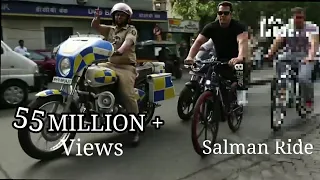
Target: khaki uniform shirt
x=118, y=36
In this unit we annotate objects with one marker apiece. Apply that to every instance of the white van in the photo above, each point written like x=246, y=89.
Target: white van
x=18, y=75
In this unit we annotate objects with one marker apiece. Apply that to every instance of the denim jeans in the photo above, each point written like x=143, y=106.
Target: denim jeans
x=304, y=72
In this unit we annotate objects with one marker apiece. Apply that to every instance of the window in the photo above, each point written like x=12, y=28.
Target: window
x=56, y=35
x=48, y=54
x=36, y=56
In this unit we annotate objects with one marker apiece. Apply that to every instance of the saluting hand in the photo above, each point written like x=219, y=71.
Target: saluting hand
x=97, y=13
x=96, y=20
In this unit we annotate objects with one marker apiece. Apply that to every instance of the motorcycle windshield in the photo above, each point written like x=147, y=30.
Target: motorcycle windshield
x=81, y=52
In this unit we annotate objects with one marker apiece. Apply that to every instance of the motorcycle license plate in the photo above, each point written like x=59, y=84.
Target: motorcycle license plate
x=61, y=80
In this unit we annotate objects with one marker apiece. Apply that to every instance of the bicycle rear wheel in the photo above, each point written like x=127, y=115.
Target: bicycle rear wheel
x=207, y=112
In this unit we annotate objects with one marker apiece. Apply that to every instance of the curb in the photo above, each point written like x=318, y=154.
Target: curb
x=260, y=82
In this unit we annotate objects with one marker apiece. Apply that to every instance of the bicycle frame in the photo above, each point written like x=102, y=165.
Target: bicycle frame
x=291, y=83
x=214, y=82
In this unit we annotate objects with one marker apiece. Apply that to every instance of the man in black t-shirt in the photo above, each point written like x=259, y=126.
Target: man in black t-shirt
x=230, y=39
x=229, y=36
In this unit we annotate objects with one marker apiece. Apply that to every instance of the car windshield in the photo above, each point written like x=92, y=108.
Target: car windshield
x=36, y=56
x=48, y=54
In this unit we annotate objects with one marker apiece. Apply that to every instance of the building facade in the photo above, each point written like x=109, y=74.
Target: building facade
x=177, y=29
x=43, y=24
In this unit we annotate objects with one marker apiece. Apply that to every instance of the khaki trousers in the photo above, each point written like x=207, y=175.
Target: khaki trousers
x=127, y=75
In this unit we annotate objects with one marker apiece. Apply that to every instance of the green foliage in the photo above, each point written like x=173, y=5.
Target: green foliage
x=193, y=9
x=249, y=12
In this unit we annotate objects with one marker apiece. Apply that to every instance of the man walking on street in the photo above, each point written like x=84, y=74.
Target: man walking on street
x=21, y=49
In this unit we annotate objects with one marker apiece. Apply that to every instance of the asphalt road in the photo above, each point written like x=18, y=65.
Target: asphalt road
x=164, y=154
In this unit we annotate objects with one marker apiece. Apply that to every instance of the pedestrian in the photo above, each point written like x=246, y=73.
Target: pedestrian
x=21, y=49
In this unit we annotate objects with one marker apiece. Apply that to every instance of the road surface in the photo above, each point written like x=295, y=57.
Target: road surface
x=165, y=154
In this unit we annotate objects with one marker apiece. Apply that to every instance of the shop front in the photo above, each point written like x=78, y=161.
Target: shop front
x=43, y=25
x=182, y=30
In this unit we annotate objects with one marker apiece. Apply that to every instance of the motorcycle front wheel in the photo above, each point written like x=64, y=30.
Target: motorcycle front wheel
x=24, y=135
x=149, y=111
x=186, y=99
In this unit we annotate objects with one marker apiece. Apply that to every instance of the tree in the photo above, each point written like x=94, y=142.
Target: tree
x=202, y=10
x=249, y=12
x=193, y=9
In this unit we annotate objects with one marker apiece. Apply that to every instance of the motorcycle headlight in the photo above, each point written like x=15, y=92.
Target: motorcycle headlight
x=65, y=67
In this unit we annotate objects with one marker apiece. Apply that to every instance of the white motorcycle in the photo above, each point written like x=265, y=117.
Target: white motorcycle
x=88, y=88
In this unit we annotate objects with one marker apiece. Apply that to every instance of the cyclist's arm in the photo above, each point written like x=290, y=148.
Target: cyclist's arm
x=203, y=37
x=243, y=45
x=314, y=43
x=276, y=45
x=196, y=46
x=207, y=46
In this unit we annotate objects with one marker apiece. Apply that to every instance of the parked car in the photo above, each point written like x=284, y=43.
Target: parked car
x=45, y=52
x=18, y=75
x=46, y=64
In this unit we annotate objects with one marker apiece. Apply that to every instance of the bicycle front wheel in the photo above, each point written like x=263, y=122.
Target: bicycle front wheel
x=278, y=106
x=207, y=113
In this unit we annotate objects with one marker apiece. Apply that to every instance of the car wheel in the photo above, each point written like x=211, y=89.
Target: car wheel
x=13, y=94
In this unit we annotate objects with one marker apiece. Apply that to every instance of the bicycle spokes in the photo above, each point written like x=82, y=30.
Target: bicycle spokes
x=206, y=118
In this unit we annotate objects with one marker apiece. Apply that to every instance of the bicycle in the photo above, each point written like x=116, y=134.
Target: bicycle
x=217, y=108
x=291, y=95
x=193, y=89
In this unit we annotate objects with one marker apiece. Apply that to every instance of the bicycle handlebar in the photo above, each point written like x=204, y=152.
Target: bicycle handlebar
x=200, y=63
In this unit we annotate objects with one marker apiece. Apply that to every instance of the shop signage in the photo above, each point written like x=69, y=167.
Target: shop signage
x=184, y=26
x=72, y=11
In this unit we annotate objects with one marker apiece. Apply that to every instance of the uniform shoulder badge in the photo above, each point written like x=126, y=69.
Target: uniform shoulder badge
x=134, y=32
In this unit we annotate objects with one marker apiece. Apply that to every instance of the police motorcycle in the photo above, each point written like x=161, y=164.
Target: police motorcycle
x=194, y=88
x=88, y=88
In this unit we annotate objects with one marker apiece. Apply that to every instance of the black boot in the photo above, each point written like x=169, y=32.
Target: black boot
x=135, y=139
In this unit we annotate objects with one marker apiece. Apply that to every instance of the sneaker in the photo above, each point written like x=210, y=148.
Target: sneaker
x=309, y=106
x=307, y=110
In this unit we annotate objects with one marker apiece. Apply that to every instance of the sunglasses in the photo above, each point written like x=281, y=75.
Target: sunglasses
x=226, y=13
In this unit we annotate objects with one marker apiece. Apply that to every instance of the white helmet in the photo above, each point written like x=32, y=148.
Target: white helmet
x=122, y=7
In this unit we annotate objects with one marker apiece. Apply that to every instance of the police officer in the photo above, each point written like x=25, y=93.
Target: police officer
x=124, y=37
